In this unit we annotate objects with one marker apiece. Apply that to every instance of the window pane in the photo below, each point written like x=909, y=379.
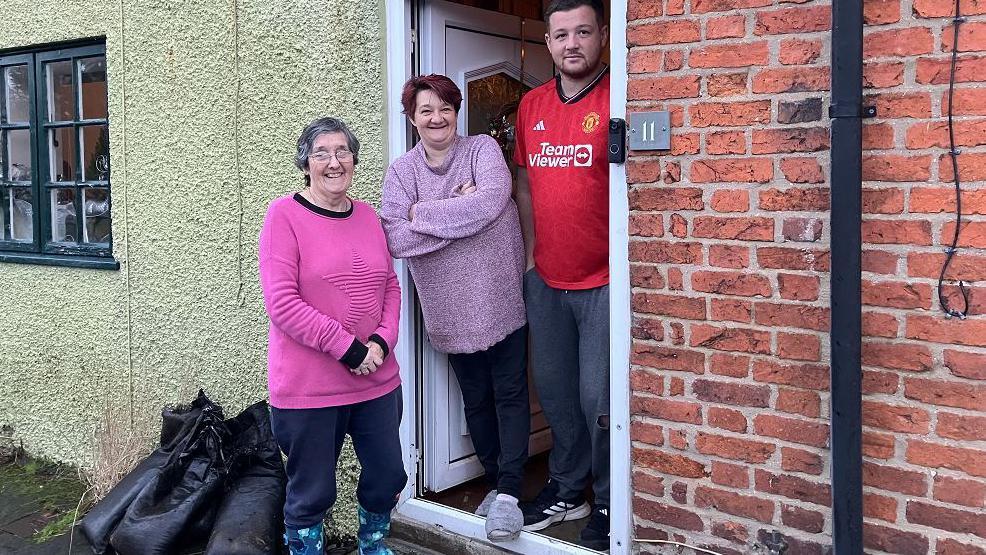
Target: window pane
x=97, y=214
x=92, y=79
x=61, y=102
x=18, y=155
x=95, y=153
x=21, y=212
x=63, y=215
x=15, y=84
x=62, y=154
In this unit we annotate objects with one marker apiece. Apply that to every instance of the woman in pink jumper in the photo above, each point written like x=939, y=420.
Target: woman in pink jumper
x=447, y=209
x=333, y=301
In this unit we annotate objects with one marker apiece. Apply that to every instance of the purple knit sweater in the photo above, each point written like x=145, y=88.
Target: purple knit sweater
x=466, y=253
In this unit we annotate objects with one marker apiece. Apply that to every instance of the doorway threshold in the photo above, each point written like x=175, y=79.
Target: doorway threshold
x=448, y=530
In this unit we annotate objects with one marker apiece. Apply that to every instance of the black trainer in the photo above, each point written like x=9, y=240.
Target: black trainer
x=548, y=508
x=595, y=535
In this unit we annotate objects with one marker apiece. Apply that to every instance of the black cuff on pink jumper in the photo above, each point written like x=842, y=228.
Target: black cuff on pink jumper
x=383, y=344
x=355, y=354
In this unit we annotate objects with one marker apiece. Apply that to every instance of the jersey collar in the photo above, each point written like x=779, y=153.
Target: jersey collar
x=582, y=93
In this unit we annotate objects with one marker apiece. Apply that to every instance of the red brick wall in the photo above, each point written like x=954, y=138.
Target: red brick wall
x=730, y=259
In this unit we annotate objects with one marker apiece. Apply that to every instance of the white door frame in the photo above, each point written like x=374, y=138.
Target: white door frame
x=621, y=509
x=399, y=45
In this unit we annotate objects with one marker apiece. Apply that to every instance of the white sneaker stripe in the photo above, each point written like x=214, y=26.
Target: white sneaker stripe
x=559, y=507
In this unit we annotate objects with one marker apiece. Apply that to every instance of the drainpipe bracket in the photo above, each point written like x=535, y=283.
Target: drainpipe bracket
x=955, y=314
x=837, y=111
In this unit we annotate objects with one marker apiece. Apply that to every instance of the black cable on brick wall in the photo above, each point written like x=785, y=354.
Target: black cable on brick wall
x=954, y=154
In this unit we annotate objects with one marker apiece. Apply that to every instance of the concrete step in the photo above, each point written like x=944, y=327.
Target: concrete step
x=401, y=547
x=431, y=540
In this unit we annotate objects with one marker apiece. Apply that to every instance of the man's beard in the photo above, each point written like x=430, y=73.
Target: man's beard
x=589, y=69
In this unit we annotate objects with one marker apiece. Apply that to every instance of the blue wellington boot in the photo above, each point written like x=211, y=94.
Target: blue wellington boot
x=304, y=541
x=373, y=528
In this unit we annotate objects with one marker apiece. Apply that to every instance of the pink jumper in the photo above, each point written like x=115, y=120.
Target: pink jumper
x=329, y=284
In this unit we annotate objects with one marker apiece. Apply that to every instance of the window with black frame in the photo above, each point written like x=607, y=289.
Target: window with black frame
x=54, y=160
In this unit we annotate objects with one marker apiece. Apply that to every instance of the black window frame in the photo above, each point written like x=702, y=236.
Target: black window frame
x=43, y=250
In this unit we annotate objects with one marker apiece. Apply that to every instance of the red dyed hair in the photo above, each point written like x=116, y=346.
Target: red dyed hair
x=443, y=87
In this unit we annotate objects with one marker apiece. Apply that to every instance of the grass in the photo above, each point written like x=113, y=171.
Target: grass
x=118, y=447
x=57, y=527
x=56, y=489
x=63, y=493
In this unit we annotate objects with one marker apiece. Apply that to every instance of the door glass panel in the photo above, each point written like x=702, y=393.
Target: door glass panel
x=61, y=101
x=62, y=154
x=92, y=90
x=95, y=142
x=18, y=155
x=490, y=99
x=96, y=211
x=15, y=91
x=21, y=214
x=491, y=105
x=63, y=215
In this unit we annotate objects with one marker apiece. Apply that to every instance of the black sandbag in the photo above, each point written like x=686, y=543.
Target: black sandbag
x=102, y=518
x=249, y=520
x=180, y=496
x=178, y=424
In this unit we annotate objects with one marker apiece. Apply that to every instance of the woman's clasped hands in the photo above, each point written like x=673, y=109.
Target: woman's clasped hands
x=373, y=359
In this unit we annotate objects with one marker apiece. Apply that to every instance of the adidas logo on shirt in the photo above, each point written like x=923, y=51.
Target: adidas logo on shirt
x=539, y=126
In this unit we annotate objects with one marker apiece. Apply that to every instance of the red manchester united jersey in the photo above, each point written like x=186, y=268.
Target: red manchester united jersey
x=562, y=144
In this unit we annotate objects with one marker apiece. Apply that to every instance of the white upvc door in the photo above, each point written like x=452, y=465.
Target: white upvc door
x=482, y=52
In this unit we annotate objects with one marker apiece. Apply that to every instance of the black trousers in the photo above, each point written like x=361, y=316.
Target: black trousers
x=312, y=439
x=498, y=408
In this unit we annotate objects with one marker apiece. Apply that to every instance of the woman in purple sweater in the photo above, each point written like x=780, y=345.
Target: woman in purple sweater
x=333, y=300
x=447, y=209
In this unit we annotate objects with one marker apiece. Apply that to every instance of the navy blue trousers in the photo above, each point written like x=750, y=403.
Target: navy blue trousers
x=312, y=439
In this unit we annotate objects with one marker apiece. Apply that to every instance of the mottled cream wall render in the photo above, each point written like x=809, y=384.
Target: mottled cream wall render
x=64, y=332
x=206, y=99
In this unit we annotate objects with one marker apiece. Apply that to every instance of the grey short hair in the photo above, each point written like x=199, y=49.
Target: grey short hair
x=319, y=127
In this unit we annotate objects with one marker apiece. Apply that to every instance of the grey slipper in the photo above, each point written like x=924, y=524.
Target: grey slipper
x=484, y=508
x=504, y=521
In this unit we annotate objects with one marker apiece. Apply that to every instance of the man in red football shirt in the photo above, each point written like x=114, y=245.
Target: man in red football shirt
x=563, y=199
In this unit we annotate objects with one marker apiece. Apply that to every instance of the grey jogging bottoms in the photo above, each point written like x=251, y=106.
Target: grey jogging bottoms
x=570, y=343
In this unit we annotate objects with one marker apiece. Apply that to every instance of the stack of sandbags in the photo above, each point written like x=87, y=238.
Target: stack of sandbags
x=211, y=479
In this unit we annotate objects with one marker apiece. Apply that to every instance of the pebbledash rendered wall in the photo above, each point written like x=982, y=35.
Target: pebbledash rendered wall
x=730, y=267
x=206, y=100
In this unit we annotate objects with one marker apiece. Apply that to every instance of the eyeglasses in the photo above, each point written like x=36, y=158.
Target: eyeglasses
x=342, y=155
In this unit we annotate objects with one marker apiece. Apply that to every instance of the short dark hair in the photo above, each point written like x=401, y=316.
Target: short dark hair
x=443, y=87
x=567, y=5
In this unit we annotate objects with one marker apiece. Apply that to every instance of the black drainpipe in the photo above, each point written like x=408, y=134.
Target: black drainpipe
x=846, y=112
